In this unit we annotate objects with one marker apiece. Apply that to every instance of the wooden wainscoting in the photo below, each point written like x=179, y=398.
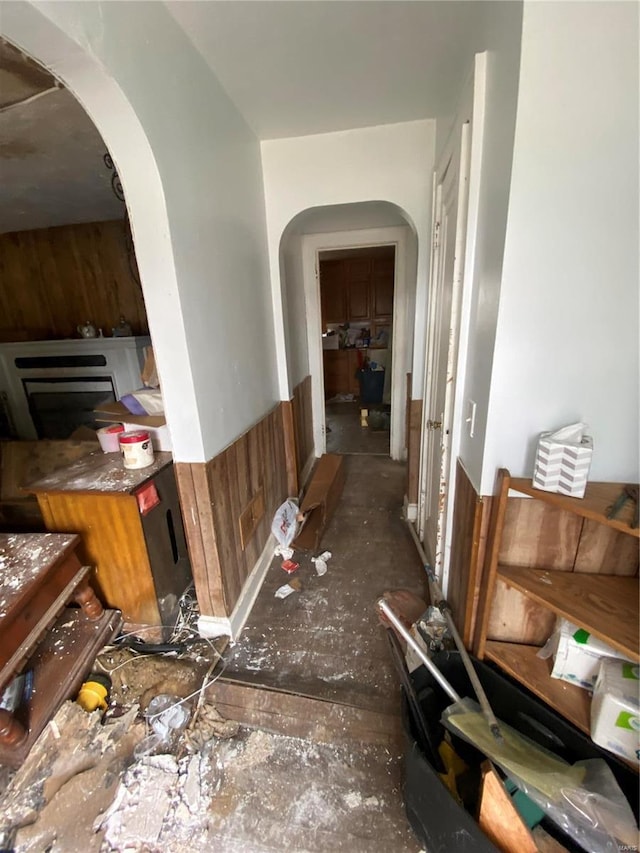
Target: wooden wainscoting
x=303, y=425
x=471, y=514
x=414, y=428
x=248, y=478
x=53, y=279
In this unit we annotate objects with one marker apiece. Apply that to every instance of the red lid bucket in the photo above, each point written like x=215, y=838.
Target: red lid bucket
x=136, y=448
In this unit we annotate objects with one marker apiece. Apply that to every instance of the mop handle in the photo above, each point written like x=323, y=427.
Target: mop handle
x=443, y=605
x=433, y=669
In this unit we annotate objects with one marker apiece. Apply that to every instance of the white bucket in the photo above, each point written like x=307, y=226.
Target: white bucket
x=109, y=437
x=136, y=447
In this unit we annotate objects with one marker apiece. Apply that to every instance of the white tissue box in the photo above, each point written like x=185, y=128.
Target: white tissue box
x=562, y=466
x=615, y=709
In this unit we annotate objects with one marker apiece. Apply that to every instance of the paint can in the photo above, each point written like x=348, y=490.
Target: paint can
x=109, y=437
x=136, y=447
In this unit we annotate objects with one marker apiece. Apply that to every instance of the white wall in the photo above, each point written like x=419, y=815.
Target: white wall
x=390, y=163
x=209, y=303
x=567, y=341
x=493, y=133
x=292, y=278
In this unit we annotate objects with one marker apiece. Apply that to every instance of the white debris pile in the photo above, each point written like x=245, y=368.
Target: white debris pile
x=161, y=801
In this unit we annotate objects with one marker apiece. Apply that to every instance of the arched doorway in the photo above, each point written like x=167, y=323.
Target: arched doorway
x=309, y=237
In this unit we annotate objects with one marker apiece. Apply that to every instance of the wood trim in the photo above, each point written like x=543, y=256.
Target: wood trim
x=199, y=529
x=489, y=574
x=413, y=449
x=470, y=527
x=303, y=426
x=290, y=445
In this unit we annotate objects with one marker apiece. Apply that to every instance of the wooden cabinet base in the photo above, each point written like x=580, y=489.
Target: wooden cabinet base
x=59, y=666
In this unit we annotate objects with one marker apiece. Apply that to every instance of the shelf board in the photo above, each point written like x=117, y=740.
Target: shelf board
x=598, y=497
x=521, y=663
x=604, y=605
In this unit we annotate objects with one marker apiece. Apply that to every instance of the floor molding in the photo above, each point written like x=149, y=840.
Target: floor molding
x=217, y=626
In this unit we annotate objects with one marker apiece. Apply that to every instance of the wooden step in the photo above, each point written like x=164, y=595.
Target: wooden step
x=285, y=712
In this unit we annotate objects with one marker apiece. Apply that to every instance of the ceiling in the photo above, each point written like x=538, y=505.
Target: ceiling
x=314, y=66
x=291, y=68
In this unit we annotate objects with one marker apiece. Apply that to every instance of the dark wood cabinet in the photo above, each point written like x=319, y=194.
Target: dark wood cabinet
x=358, y=301
x=382, y=291
x=357, y=290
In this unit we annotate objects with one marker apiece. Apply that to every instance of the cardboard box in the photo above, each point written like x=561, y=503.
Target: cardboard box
x=320, y=501
x=562, y=466
x=615, y=709
x=578, y=654
x=156, y=425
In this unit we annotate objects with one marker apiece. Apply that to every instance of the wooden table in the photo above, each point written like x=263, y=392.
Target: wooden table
x=40, y=573
x=131, y=527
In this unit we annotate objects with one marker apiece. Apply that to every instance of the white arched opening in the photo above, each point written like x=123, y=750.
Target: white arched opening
x=337, y=227
x=69, y=58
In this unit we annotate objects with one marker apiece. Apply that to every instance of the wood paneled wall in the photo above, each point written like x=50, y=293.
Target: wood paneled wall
x=303, y=425
x=471, y=514
x=54, y=279
x=413, y=428
x=214, y=495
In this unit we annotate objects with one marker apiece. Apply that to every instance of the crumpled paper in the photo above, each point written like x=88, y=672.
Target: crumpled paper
x=321, y=563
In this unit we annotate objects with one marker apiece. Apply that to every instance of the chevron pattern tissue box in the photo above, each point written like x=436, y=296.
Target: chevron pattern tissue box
x=562, y=468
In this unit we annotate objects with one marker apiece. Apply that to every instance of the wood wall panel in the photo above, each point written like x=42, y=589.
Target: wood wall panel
x=514, y=618
x=468, y=548
x=537, y=535
x=214, y=496
x=303, y=425
x=54, y=279
x=414, y=430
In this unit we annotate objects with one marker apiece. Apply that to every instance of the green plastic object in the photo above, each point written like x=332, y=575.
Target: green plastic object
x=527, y=809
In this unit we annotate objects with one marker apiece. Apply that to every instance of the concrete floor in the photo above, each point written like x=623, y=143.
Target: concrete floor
x=346, y=435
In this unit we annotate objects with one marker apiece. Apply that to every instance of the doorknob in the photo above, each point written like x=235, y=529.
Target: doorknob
x=434, y=424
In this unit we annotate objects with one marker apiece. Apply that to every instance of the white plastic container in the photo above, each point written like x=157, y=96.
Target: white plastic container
x=109, y=438
x=615, y=709
x=136, y=448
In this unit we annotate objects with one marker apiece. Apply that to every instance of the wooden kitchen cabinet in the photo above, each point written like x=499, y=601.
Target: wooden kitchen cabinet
x=550, y=555
x=333, y=298
x=340, y=371
x=382, y=290
x=131, y=528
x=357, y=290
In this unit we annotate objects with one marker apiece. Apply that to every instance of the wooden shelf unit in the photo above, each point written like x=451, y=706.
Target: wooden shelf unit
x=556, y=556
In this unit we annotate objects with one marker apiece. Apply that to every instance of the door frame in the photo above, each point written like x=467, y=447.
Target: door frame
x=456, y=157
x=402, y=330
x=460, y=418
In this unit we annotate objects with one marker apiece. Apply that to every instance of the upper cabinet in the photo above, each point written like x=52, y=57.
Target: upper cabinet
x=382, y=288
x=333, y=295
x=357, y=289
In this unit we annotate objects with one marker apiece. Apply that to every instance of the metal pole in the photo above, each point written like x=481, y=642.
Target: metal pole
x=443, y=605
x=433, y=669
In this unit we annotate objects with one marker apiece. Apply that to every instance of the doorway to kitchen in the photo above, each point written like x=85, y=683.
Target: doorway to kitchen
x=356, y=301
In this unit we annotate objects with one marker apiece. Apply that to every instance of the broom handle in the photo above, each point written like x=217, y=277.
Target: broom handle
x=443, y=605
x=433, y=669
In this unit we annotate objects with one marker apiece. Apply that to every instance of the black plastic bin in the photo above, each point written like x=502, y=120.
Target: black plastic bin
x=371, y=386
x=439, y=822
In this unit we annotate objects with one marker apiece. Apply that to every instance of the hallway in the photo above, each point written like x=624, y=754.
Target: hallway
x=325, y=640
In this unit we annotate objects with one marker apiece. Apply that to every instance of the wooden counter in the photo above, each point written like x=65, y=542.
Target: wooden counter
x=131, y=527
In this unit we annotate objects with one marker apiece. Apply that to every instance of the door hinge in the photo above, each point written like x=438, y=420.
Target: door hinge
x=434, y=424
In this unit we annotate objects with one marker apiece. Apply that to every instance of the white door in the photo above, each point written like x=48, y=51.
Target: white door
x=445, y=291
